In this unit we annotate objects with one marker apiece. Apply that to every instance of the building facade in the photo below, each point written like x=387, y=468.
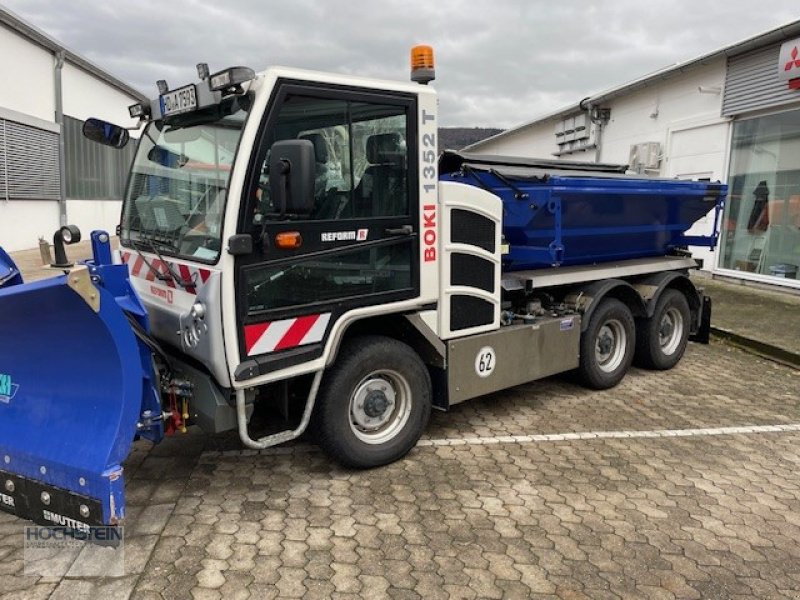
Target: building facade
x=731, y=115
x=49, y=174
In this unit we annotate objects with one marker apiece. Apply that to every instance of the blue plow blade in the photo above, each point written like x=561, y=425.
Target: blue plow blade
x=9, y=273
x=75, y=380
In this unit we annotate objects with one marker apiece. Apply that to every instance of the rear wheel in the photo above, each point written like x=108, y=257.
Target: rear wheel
x=607, y=345
x=374, y=404
x=661, y=340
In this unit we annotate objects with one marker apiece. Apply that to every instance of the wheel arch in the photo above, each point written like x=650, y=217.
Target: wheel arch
x=404, y=327
x=653, y=286
x=587, y=298
x=410, y=329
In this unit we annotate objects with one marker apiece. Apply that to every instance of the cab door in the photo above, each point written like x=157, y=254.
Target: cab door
x=358, y=247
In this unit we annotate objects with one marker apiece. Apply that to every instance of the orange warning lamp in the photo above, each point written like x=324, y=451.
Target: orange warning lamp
x=288, y=240
x=422, y=68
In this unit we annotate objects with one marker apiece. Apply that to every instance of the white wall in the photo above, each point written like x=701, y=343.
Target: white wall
x=89, y=215
x=537, y=141
x=26, y=73
x=22, y=222
x=674, y=100
x=84, y=96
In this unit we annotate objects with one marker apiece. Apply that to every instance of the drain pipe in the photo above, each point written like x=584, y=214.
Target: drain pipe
x=599, y=117
x=62, y=167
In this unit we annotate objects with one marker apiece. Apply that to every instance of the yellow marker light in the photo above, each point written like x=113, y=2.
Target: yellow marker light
x=288, y=240
x=422, y=65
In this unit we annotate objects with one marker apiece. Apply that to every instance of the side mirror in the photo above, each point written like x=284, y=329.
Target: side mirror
x=240, y=244
x=105, y=133
x=291, y=176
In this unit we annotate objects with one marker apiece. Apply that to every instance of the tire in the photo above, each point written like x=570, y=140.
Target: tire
x=374, y=404
x=661, y=340
x=602, y=366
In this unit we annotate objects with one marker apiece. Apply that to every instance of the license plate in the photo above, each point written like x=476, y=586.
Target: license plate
x=179, y=101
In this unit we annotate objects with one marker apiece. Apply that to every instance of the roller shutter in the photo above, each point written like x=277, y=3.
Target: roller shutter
x=28, y=162
x=752, y=82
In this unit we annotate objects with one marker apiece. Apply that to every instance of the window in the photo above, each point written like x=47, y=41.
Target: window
x=179, y=181
x=94, y=171
x=360, y=152
x=339, y=276
x=761, y=228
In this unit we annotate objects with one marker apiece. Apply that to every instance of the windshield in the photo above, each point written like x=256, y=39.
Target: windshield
x=178, y=189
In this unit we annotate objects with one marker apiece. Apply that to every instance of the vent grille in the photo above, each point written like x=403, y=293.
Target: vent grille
x=468, y=311
x=472, y=271
x=471, y=228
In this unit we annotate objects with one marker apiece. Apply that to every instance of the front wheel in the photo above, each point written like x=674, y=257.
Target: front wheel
x=374, y=404
x=607, y=345
x=661, y=339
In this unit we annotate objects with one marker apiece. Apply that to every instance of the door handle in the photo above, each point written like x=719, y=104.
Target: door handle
x=404, y=230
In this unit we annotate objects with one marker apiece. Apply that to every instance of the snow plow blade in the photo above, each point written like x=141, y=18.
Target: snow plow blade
x=74, y=382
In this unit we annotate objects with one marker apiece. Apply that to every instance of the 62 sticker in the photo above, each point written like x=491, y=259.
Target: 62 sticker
x=485, y=361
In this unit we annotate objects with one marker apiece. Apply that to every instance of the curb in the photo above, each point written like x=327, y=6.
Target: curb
x=763, y=349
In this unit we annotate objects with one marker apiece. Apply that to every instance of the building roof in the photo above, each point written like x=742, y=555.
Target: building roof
x=763, y=39
x=39, y=37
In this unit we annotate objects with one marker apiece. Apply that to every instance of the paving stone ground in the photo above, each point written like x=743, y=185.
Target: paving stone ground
x=764, y=315
x=705, y=516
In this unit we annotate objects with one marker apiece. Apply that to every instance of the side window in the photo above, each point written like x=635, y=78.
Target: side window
x=361, y=157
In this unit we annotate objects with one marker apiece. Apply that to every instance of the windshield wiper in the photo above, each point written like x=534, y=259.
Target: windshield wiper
x=159, y=275
x=172, y=275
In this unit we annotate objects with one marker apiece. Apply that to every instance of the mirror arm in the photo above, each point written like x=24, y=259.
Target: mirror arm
x=286, y=167
x=138, y=125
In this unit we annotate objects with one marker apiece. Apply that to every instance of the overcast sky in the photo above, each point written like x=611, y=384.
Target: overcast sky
x=499, y=62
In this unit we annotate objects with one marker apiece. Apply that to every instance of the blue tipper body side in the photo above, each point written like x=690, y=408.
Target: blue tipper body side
x=567, y=213
x=73, y=386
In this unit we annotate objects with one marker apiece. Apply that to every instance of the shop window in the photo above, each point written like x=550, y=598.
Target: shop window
x=761, y=228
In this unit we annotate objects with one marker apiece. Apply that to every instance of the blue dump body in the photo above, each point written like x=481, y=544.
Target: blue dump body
x=558, y=213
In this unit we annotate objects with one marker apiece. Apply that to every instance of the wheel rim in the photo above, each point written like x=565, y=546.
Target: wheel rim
x=380, y=406
x=670, y=331
x=610, y=345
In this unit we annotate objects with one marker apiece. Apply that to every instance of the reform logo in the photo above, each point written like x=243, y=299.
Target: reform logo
x=8, y=389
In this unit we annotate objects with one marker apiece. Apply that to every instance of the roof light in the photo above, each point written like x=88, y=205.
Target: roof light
x=137, y=111
x=163, y=88
x=202, y=71
x=230, y=77
x=422, y=66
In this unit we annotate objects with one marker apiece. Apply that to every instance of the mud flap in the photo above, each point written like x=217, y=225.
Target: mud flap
x=73, y=383
x=702, y=334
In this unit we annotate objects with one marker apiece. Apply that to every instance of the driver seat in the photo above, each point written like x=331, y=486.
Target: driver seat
x=383, y=189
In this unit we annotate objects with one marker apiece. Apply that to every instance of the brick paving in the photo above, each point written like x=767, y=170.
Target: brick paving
x=569, y=516
x=764, y=315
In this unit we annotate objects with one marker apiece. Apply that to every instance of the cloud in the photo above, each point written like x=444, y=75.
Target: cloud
x=499, y=62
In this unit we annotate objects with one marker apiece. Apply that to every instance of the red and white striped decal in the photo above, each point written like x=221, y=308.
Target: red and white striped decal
x=138, y=268
x=261, y=338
